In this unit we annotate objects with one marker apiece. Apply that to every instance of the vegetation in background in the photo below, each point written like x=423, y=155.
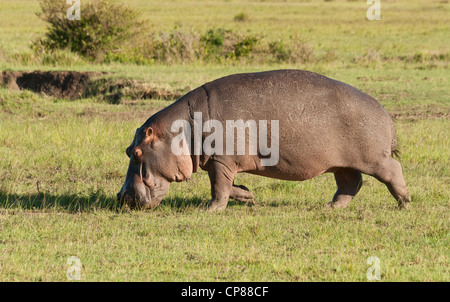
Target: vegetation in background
x=216, y=45
x=103, y=27
x=111, y=32
x=289, y=34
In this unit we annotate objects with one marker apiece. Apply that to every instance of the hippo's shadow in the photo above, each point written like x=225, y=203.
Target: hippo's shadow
x=81, y=203
x=68, y=202
x=183, y=203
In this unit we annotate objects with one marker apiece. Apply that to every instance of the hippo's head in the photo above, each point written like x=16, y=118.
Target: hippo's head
x=152, y=168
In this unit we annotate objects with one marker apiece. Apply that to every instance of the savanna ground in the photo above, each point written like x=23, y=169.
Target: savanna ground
x=63, y=161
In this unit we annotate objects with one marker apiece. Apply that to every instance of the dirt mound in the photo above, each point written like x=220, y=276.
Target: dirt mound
x=60, y=84
x=74, y=85
x=117, y=90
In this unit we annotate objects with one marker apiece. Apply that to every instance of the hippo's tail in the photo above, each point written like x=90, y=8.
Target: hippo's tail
x=394, y=143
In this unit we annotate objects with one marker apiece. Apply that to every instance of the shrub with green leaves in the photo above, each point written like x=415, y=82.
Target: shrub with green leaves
x=219, y=44
x=103, y=27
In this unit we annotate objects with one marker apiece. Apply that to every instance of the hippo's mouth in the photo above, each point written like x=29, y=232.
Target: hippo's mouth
x=146, y=180
x=155, y=188
x=150, y=187
x=142, y=189
x=143, y=176
x=137, y=191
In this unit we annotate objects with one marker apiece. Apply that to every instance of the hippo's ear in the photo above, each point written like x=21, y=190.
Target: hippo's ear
x=149, y=132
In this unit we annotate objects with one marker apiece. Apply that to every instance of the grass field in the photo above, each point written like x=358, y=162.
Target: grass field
x=62, y=162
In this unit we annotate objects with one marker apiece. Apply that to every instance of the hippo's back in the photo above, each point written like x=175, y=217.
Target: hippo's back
x=279, y=92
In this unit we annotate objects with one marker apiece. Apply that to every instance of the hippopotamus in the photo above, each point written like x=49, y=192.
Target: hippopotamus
x=318, y=125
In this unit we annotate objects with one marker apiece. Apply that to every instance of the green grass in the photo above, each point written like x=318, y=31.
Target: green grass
x=62, y=162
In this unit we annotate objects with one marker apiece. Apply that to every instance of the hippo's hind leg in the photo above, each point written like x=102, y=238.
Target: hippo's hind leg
x=242, y=194
x=390, y=173
x=349, y=182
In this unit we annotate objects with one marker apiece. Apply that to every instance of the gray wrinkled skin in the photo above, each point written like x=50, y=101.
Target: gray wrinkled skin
x=324, y=126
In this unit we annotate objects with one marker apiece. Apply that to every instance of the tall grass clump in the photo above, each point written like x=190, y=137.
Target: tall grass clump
x=295, y=51
x=241, y=17
x=103, y=27
x=179, y=45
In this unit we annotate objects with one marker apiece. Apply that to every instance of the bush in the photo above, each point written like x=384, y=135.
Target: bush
x=103, y=27
x=213, y=43
x=245, y=46
x=296, y=52
x=241, y=17
x=220, y=44
x=279, y=50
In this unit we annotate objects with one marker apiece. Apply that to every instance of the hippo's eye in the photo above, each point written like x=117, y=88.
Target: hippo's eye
x=128, y=152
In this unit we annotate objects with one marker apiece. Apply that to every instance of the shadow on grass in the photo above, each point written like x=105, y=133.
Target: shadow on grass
x=74, y=203
x=68, y=202
x=182, y=203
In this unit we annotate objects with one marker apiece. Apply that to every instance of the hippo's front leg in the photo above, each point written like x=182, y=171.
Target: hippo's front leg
x=221, y=177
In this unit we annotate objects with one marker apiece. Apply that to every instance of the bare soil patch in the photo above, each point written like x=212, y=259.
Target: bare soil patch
x=74, y=85
x=421, y=112
x=59, y=84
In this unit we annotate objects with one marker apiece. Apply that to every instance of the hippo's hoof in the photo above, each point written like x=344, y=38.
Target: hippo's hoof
x=339, y=204
x=215, y=206
x=403, y=205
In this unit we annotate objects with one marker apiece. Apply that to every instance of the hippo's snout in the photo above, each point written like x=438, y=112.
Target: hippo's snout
x=128, y=198
x=135, y=194
x=138, y=195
